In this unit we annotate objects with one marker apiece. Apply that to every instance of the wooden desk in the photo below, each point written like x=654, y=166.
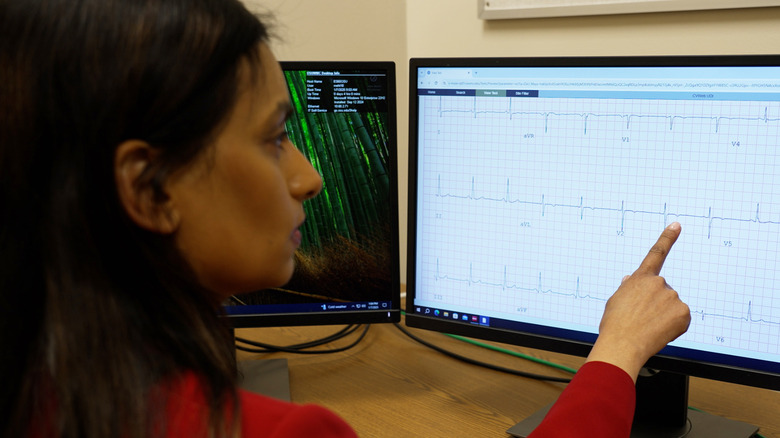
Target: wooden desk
x=391, y=386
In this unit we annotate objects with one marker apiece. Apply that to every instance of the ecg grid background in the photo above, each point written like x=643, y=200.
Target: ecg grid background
x=534, y=209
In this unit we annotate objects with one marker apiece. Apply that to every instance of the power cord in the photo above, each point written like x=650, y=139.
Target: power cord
x=303, y=348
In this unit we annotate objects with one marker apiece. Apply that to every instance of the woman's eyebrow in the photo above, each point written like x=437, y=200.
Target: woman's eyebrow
x=281, y=114
x=285, y=108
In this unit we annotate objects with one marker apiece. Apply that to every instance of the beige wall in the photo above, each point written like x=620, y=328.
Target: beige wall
x=451, y=28
x=337, y=29
x=399, y=29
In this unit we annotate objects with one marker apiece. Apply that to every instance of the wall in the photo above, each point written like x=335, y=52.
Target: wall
x=451, y=28
x=339, y=30
x=399, y=29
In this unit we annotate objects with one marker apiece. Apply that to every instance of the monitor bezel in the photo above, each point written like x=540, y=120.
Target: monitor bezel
x=666, y=360
x=385, y=315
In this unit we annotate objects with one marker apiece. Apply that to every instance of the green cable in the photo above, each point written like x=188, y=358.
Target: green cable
x=510, y=352
x=514, y=353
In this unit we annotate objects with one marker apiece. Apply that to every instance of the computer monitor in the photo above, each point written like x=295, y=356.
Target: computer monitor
x=536, y=184
x=347, y=268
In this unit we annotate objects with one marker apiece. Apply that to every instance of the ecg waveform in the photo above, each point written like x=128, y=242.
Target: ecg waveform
x=585, y=117
x=543, y=205
x=506, y=285
x=551, y=203
x=577, y=293
x=748, y=317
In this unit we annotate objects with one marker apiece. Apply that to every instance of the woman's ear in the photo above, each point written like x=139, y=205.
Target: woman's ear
x=132, y=159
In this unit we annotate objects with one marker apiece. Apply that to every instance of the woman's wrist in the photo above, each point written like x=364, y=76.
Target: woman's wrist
x=625, y=357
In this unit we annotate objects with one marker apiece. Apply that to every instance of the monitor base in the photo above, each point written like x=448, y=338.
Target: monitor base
x=269, y=377
x=699, y=425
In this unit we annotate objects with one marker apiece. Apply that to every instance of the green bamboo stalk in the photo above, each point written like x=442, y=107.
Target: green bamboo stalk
x=344, y=173
x=378, y=172
x=360, y=189
x=343, y=219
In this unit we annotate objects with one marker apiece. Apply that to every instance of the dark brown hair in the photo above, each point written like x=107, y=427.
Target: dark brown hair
x=96, y=312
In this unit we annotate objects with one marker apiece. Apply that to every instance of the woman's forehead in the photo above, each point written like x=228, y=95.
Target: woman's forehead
x=265, y=81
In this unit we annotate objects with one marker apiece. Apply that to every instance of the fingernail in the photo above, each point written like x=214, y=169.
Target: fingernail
x=673, y=226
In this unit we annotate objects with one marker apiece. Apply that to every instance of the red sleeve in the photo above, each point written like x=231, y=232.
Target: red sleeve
x=266, y=417
x=599, y=401
x=261, y=417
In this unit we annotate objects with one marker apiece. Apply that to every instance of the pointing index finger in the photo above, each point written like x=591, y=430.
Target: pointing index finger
x=655, y=258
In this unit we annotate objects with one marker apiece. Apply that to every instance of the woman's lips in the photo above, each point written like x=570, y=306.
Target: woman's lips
x=297, y=237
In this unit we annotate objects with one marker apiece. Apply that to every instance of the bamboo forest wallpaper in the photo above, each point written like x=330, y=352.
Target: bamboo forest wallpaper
x=350, y=234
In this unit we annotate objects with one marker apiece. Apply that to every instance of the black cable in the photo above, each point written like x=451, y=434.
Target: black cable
x=301, y=348
x=482, y=364
x=344, y=332
x=347, y=330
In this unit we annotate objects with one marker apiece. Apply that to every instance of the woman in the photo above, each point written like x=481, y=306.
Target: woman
x=136, y=134
x=146, y=177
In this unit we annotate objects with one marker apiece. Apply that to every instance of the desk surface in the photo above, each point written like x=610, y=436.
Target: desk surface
x=390, y=386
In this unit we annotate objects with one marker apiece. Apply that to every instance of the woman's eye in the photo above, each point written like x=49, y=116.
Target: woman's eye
x=275, y=144
x=281, y=138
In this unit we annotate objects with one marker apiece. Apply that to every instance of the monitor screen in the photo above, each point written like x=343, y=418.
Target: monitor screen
x=347, y=268
x=536, y=184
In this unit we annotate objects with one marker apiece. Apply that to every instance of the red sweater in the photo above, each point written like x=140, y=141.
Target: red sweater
x=599, y=402
x=261, y=416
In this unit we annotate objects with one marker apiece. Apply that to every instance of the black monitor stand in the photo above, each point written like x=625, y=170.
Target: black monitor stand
x=269, y=377
x=662, y=412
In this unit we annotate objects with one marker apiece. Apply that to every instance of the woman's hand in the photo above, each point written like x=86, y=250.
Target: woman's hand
x=644, y=314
